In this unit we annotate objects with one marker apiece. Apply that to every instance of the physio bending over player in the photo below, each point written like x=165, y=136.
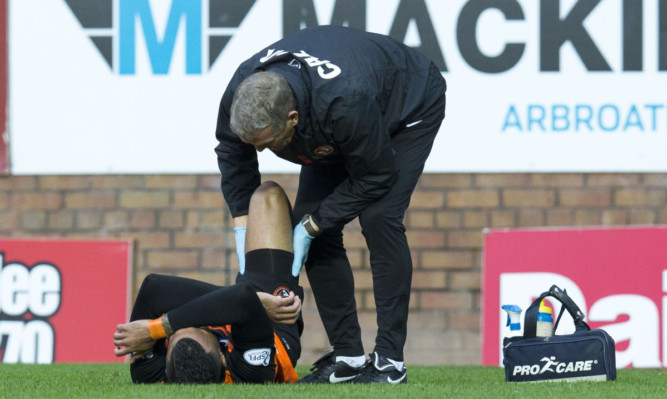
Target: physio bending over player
x=359, y=112
x=188, y=331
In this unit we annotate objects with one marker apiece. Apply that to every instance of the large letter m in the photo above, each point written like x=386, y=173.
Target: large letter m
x=160, y=52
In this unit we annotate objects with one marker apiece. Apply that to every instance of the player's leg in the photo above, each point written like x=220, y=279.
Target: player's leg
x=391, y=262
x=331, y=280
x=269, y=221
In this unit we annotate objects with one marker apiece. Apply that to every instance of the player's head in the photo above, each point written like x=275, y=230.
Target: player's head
x=263, y=100
x=194, y=357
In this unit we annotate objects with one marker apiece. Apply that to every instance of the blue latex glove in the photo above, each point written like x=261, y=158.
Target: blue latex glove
x=239, y=235
x=301, y=242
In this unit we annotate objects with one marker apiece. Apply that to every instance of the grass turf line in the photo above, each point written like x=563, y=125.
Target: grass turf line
x=113, y=381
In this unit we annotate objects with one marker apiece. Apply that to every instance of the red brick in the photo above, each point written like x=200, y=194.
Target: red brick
x=465, y=280
x=33, y=220
x=363, y=279
x=427, y=200
x=90, y=200
x=9, y=221
x=198, y=240
x=655, y=179
x=464, y=321
x=445, y=300
x=501, y=180
x=37, y=201
x=556, y=180
x=448, y=219
x=209, y=182
x=432, y=180
x=213, y=259
x=118, y=181
x=142, y=220
x=585, y=197
x=198, y=199
x=177, y=182
x=354, y=240
x=63, y=220
x=559, y=217
x=531, y=218
x=64, y=182
x=446, y=259
x=529, y=198
x=429, y=280
x=18, y=183
x=171, y=219
x=176, y=260
x=473, y=219
x=473, y=199
x=503, y=218
x=612, y=180
x=614, y=217
x=4, y=201
x=148, y=240
x=426, y=239
x=88, y=220
x=465, y=239
x=144, y=199
x=642, y=216
x=417, y=219
x=212, y=219
x=116, y=220
x=587, y=218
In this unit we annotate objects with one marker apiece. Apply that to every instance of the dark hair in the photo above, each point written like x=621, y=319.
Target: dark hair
x=189, y=363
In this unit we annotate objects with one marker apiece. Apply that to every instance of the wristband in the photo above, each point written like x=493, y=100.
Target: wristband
x=156, y=329
x=307, y=224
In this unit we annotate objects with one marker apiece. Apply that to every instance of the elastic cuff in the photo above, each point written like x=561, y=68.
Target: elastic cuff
x=156, y=329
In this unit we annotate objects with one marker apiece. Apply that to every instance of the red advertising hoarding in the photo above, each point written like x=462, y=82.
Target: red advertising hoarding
x=618, y=277
x=4, y=82
x=60, y=300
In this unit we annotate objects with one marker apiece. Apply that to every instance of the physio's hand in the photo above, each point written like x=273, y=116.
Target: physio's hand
x=281, y=310
x=301, y=243
x=239, y=235
x=133, y=338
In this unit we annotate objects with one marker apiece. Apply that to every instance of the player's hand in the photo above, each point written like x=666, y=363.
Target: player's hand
x=133, y=338
x=301, y=242
x=281, y=310
x=239, y=237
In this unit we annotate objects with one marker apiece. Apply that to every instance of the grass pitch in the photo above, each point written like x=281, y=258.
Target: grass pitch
x=113, y=381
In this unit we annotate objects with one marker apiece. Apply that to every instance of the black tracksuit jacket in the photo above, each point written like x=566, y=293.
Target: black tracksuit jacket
x=355, y=90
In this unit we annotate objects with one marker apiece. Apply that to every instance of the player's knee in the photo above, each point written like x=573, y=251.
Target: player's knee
x=379, y=219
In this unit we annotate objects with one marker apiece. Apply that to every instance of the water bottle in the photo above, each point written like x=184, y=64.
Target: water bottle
x=513, y=319
x=545, y=321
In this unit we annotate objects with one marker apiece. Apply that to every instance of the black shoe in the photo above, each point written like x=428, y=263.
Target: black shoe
x=327, y=370
x=380, y=370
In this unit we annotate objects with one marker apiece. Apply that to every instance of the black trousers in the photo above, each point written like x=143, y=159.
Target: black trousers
x=328, y=268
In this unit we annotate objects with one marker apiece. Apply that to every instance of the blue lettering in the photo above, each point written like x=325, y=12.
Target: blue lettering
x=160, y=52
x=614, y=115
x=633, y=119
x=533, y=118
x=579, y=118
x=512, y=119
x=654, y=108
x=560, y=113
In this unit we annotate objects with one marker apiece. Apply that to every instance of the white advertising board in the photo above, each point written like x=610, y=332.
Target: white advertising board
x=133, y=86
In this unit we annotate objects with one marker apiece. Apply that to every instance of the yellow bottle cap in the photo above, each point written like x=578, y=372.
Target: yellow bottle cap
x=544, y=308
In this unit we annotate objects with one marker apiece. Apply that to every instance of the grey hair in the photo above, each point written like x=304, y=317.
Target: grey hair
x=263, y=99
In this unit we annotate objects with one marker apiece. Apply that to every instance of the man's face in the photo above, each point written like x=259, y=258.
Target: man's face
x=275, y=139
x=206, y=339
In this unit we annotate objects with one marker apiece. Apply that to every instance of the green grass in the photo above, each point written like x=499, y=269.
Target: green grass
x=113, y=381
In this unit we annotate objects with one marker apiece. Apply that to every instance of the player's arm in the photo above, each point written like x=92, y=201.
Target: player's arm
x=362, y=134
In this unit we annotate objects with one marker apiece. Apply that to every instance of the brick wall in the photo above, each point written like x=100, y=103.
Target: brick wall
x=180, y=226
